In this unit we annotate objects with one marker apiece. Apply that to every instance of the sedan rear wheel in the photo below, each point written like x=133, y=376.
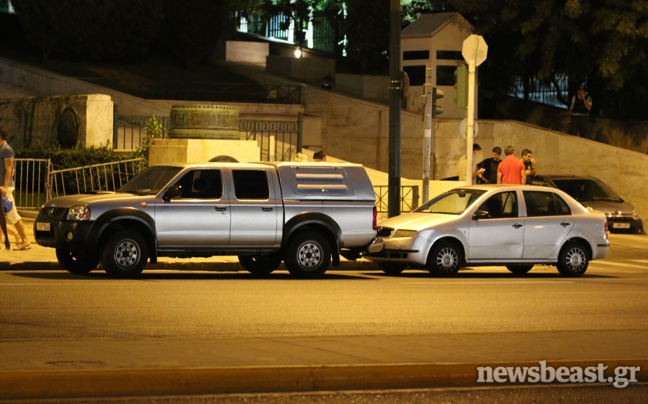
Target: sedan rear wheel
x=573, y=260
x=445, y=259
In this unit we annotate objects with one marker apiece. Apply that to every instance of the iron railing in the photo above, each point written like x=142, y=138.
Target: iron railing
x=36, y=181
x=409, y=197
x=277, y=140
x=96, y=177
x=131, y=130
x=31, y=179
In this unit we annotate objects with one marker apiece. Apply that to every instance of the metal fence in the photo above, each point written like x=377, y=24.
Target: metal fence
x=409, y=198
x=37, y=182
x=277, y=140
x=97, y=177
x=130, y=130
x=31, y=177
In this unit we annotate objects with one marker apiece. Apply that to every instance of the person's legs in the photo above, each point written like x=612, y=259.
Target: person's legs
x=13, y=217
x=25, y=244
x=575, y=128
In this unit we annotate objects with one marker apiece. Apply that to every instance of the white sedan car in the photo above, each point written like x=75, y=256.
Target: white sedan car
x=516, y=226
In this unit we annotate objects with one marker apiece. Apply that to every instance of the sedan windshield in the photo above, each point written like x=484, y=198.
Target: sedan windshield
x=150, y=181
x=587, y=190
x=453, y=202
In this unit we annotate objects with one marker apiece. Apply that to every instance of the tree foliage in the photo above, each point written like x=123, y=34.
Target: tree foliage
x=95, y=30
x=602, y=41
x=366, y=28
x=191, y=28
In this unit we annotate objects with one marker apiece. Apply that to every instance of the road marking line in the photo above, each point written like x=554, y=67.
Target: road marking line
x=485, y=281
x=619, y=264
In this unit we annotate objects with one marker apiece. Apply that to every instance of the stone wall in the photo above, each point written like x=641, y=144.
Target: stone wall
x=358, y=131
x=66, y=120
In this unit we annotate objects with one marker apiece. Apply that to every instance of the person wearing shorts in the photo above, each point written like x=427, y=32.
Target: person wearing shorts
x=8, y=186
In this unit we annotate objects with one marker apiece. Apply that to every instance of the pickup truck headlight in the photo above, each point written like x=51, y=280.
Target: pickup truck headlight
x=404, y=233
x=78, y=212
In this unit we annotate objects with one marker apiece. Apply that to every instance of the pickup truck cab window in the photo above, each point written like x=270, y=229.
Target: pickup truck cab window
x=250, y=184
x=202, y=184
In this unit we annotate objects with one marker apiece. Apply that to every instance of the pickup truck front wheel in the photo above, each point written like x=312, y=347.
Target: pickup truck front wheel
x=125, y=255
x=308, y=255
x=260, y=265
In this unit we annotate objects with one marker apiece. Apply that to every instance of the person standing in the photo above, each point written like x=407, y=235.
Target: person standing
x=319, y=156
x=463, y=160
x=6, y=167
x=489, y=175
x=529, y=165
x=581, y=105
x=511, y=170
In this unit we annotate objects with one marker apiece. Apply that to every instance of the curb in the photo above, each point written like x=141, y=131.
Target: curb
x=42, y=384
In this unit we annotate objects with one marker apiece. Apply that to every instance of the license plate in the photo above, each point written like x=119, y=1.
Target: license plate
x=43, y=226
x=621, y=225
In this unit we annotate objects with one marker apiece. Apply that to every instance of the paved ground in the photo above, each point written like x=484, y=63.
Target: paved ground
x=55, y=368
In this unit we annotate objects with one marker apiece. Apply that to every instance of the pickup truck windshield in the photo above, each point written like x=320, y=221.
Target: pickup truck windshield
x=453, y=202
x=150, y=181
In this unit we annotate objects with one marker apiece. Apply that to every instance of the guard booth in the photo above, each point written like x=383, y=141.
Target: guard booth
x=436, y=39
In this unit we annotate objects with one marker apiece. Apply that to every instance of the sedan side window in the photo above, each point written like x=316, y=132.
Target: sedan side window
x=501, y=205
x=202, y=184
x=545, y=204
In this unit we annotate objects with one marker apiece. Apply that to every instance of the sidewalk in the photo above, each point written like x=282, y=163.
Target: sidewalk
x=38, y=369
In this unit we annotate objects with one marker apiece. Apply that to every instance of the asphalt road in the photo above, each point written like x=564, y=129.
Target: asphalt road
x=55, y=324
x=168, y=304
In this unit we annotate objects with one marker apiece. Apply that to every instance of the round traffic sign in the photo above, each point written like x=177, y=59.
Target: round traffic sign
x=463, y=128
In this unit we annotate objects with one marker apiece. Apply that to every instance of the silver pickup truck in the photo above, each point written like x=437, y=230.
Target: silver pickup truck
x=304, y=214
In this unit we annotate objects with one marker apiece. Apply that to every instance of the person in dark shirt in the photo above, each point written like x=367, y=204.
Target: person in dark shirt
x=529, y=165
x=489, y=175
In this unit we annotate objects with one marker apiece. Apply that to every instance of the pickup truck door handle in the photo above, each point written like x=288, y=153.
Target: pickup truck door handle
x=565, y=224
x=517, y=225
x=266, y=208
x=221, y=208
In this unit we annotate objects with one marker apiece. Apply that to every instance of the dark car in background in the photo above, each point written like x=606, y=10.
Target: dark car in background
x=594, y=193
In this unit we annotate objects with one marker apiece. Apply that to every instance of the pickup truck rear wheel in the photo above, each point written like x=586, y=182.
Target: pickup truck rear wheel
x=260, y=265
x=308, y=255
x=76, y=264
x=125, y=255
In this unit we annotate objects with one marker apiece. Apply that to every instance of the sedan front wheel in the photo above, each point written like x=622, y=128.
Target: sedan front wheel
x=445, y=259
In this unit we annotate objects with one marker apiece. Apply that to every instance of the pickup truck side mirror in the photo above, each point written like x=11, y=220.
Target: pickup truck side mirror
x=173, y=192
x=481, y=214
